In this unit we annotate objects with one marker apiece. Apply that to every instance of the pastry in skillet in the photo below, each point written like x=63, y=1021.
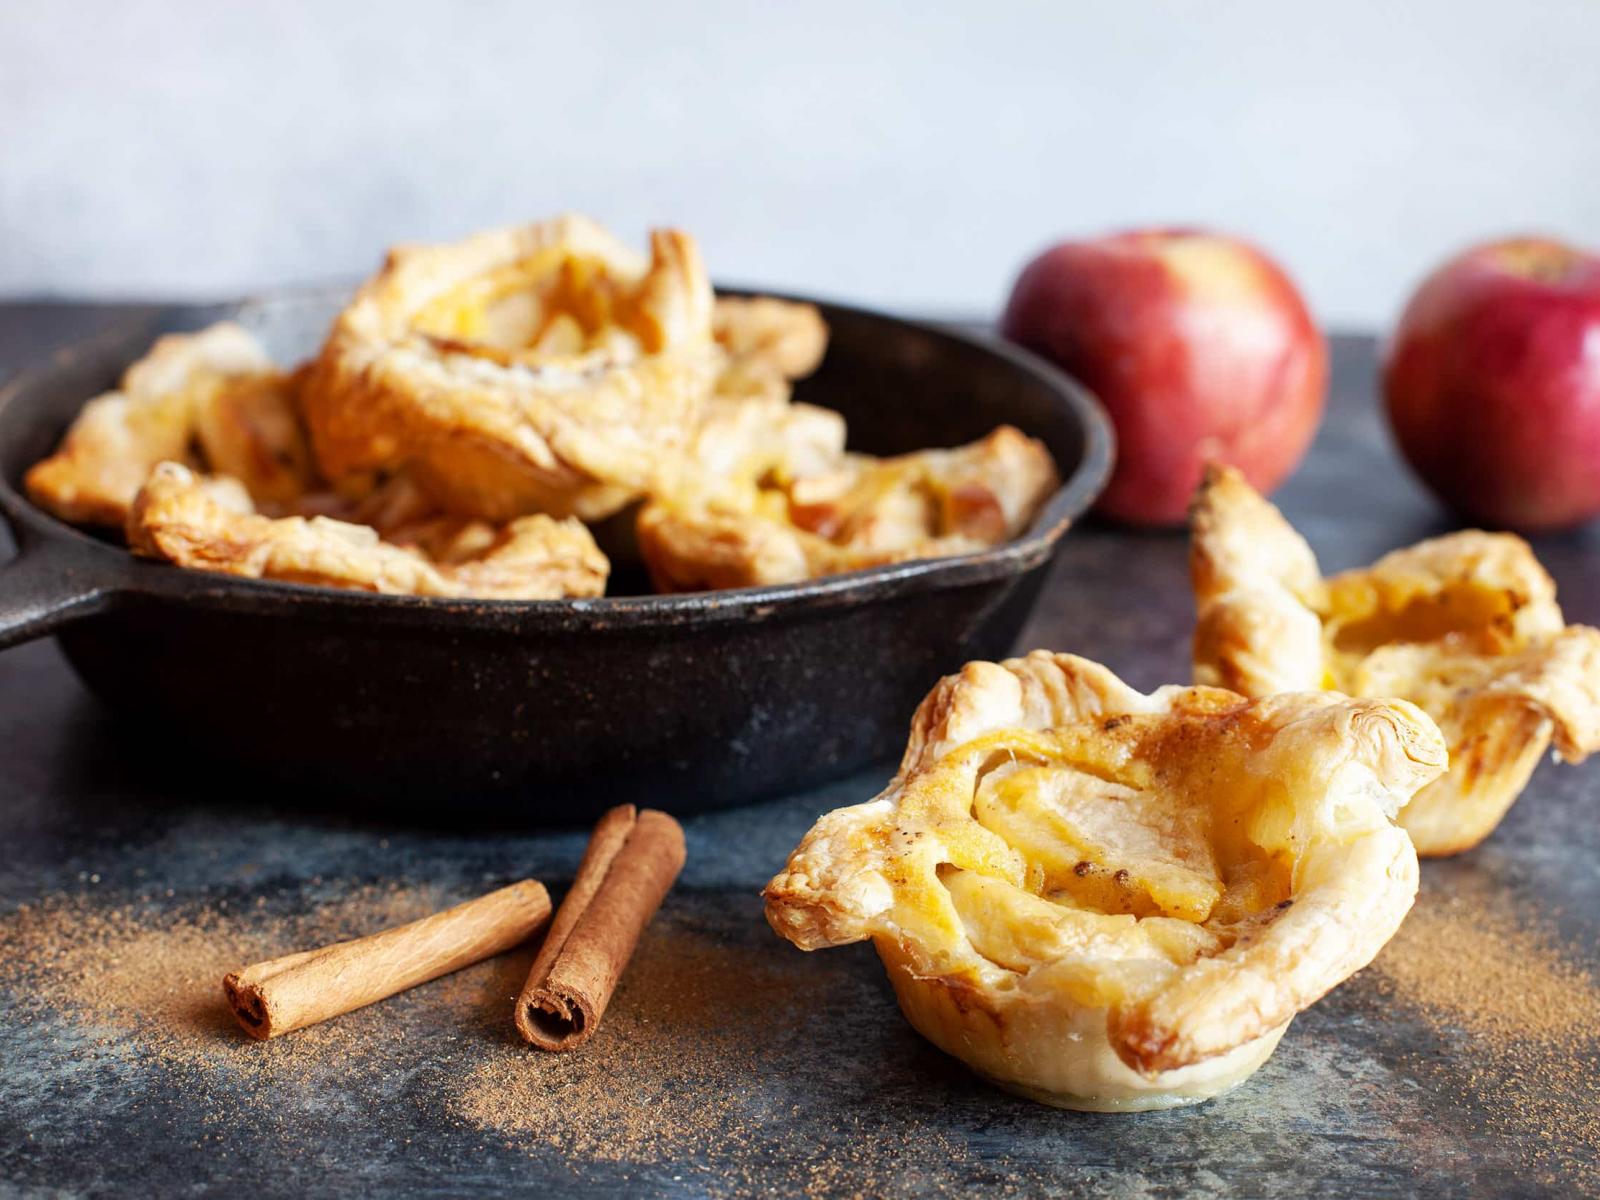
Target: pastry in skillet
x=783, y=336
x=211, y=525
x=547, y=368
x=752, y=435
x=751, y=428
x=213, y=396
x=250, y=430
x=1109, y=900
x=794, y=524
x=751, y=432
x=1466, y=626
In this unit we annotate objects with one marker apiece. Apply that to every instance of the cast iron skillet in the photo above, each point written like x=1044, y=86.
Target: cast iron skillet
x=545, y=709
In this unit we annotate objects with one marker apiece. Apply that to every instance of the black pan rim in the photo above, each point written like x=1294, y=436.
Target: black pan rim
x=126, y=574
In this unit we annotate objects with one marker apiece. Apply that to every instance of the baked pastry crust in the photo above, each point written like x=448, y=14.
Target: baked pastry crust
x=784, y=336
x=1466, y=626
x=1112, y=900
x=792, y=525
x=211, y=525
x=751, y=429
x=214, y=394
x=546, y=368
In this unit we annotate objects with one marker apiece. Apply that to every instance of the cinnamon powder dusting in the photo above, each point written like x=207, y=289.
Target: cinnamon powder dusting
x=127, y=982
x=668, y=1077
x=670, y=1073
x=1523, y=1019
x=705, y=1009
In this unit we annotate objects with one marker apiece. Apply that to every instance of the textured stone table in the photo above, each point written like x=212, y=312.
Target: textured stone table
x=820, y=1087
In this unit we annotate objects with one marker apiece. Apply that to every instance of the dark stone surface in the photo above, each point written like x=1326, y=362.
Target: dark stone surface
x=1365, y=1096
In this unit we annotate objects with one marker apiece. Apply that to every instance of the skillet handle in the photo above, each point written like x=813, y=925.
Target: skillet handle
x=44, y=588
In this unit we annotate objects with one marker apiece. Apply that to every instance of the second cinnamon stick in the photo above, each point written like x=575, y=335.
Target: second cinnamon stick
x=630, y=865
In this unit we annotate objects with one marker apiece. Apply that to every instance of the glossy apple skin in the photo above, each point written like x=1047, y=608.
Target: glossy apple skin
x=1198, y=345
x=1492, y=384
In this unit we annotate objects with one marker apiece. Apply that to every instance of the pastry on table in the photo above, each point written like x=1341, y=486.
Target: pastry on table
x=210, y=524
x=1109, y=900
x=795, y=523
x=1466, y=626
x=212, y=395
x=546, y=368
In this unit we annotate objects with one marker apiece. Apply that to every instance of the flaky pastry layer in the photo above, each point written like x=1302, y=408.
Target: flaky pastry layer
x=545, y=368
x=1466, y=626
x=211, y=525
x=542, y=369
x=862, y=512
x=783, y=336
x=751, y=430
x=213, y=394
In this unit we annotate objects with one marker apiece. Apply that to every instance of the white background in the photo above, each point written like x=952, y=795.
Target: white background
x=910, y=155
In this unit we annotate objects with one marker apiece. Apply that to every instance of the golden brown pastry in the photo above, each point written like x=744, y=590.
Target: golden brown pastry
x=545, y=368
x=249, y=428
x=781, y=335
x=548, y=369
x=863, y=512
x=214, y=393
x=751, y=431
x=211, y=525
x=1110, y=900
x=1465, y=625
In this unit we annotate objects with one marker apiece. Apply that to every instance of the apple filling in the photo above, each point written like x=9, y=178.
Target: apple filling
x=556, y=308
x=1114, y=878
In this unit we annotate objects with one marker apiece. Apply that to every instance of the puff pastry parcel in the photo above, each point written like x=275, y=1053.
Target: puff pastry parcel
x=1110, y=900
x=863, y=512
x=547, y=368
x=213, y=395
x=1466, y=626
x=211, y=525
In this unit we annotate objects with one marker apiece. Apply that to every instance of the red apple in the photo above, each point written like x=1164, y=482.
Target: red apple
x=1492, y=382
x=1198, y=345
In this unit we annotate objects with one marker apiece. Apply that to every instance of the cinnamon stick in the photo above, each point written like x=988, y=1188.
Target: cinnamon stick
x=632, y=860
x=289, y=993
